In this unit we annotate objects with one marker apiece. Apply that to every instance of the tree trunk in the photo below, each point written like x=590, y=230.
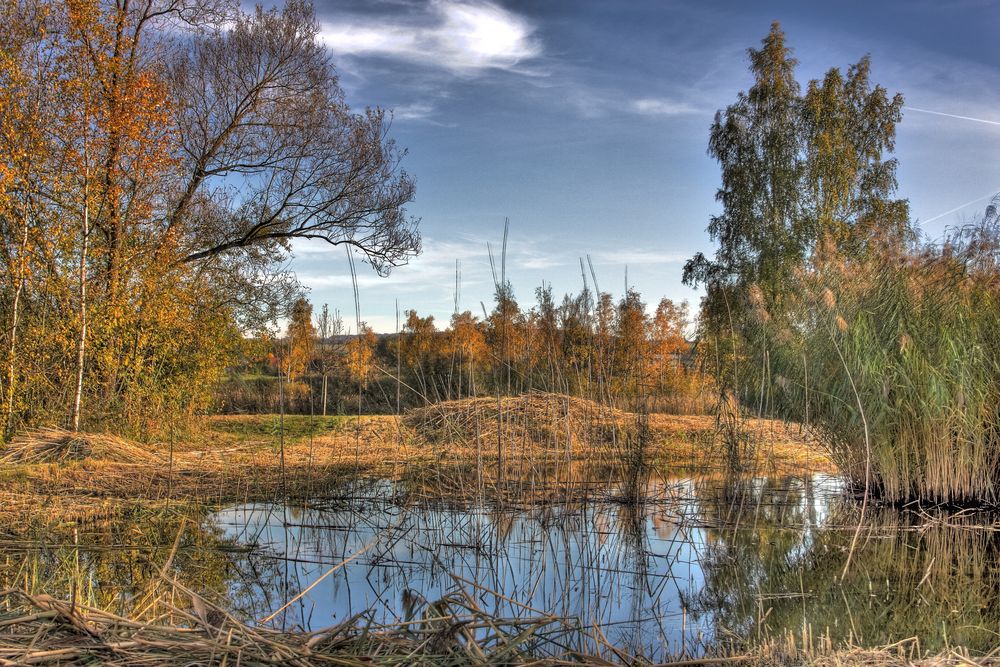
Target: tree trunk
x=14, y=321
x=82, y=341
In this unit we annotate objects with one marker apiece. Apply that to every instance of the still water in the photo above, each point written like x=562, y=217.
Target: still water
x=697, y=565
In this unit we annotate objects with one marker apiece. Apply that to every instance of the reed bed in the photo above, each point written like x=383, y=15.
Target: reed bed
x=41, y=630
x=893, y=362
x=788, y=651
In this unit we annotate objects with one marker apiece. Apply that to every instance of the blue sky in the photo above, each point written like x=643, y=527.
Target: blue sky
x=586, y=124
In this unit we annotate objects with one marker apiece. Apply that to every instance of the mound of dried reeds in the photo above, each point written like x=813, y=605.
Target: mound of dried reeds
x=541, y=419
x=56, y=445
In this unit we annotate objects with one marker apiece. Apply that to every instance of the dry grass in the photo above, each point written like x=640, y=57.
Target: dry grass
x=543, y=420
x=179, y=627
x=41, y=630
x=551, y=426
x=56, y=445
x=791, y=651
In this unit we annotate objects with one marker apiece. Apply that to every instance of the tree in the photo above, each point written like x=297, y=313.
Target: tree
x=667, y=346
x=263, y=112
x=548, y=348
x=848, y=126
x=756, y=142
x=603, y=344
x=577, y=338
x=465, y=343
x=802, y=176
x=22, y=140
x=301, y=338
x=631, y=350
x=797, y=170
x=420, y=350
x=506, y=336
x=327, y=327
x=361, y=355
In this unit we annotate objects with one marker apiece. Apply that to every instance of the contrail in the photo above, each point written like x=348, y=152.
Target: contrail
x=951, y=115
x=959, y=208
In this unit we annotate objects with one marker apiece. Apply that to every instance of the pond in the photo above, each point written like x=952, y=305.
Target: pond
x=697, y=565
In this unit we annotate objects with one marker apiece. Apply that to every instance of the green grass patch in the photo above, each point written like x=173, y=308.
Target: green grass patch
x=295, y=427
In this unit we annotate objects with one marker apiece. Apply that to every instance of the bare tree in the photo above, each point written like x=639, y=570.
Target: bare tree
x=327, y=326
x=271, y=152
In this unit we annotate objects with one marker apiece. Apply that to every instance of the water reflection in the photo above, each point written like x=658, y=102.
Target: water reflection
x=699, y=565
x=641, y=574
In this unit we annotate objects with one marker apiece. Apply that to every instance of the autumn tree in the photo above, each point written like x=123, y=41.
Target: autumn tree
x=301, y=339
x=603, y=345
x=506, y=337
x=360, y=358
x=328, y=328
x=465, y=345
x=631, y=347
x=576, y=336
x=421, y=352
x=665, y=370
x=22, y=140
x=547, y=348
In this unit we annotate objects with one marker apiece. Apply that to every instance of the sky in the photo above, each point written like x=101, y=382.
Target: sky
x=585, y=124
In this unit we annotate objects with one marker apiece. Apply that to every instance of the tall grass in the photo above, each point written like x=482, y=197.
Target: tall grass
x=893, y=361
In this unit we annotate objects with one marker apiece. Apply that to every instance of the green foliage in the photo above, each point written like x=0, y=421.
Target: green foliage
x=797, y=171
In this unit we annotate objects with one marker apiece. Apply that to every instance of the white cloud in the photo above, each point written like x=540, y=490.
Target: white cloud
x=594, y=102
x=433, y=269
x=658, y=106
x=415, y=111
x=539, y=262
x=457, y=35
x=637, y=257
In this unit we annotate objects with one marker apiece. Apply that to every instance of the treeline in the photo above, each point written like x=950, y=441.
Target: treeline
x=824, y=304
x=156, y=159
x=594, y=347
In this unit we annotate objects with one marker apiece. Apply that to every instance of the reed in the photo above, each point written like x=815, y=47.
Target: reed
x=893, y=362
